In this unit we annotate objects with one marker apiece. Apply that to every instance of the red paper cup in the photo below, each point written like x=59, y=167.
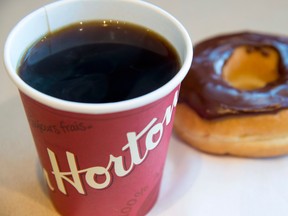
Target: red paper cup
x=100, y=159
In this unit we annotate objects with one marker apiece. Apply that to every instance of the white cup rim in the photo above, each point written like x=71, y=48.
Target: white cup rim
x=100, y=108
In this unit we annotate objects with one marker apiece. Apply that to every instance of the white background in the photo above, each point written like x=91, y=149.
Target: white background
x=194, y=184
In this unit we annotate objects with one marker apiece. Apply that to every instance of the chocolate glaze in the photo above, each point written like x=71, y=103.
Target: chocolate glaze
x=211, y=97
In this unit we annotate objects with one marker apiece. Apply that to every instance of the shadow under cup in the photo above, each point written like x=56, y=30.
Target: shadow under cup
x=100, y=159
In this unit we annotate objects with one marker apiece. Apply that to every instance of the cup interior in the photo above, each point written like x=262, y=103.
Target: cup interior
x=63, y=13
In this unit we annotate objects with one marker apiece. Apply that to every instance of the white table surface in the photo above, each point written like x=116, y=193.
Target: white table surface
x=194, y=184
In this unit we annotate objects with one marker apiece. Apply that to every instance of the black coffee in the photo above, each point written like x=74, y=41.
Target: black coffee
x=98, y=62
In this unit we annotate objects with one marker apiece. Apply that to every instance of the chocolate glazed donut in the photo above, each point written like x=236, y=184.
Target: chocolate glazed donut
x=221, y=112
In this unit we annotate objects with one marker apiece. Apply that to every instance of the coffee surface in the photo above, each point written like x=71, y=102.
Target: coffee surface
x=99, y=62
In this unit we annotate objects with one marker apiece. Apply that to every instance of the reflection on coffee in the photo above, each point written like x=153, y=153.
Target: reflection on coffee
x=99, y=62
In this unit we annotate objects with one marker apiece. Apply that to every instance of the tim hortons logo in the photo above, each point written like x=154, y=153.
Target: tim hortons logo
x=117, y=162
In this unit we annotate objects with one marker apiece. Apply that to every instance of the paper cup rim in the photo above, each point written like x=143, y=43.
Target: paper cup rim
x=101, y=108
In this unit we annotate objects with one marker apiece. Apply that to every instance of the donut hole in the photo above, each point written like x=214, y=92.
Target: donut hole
x=251, y=67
